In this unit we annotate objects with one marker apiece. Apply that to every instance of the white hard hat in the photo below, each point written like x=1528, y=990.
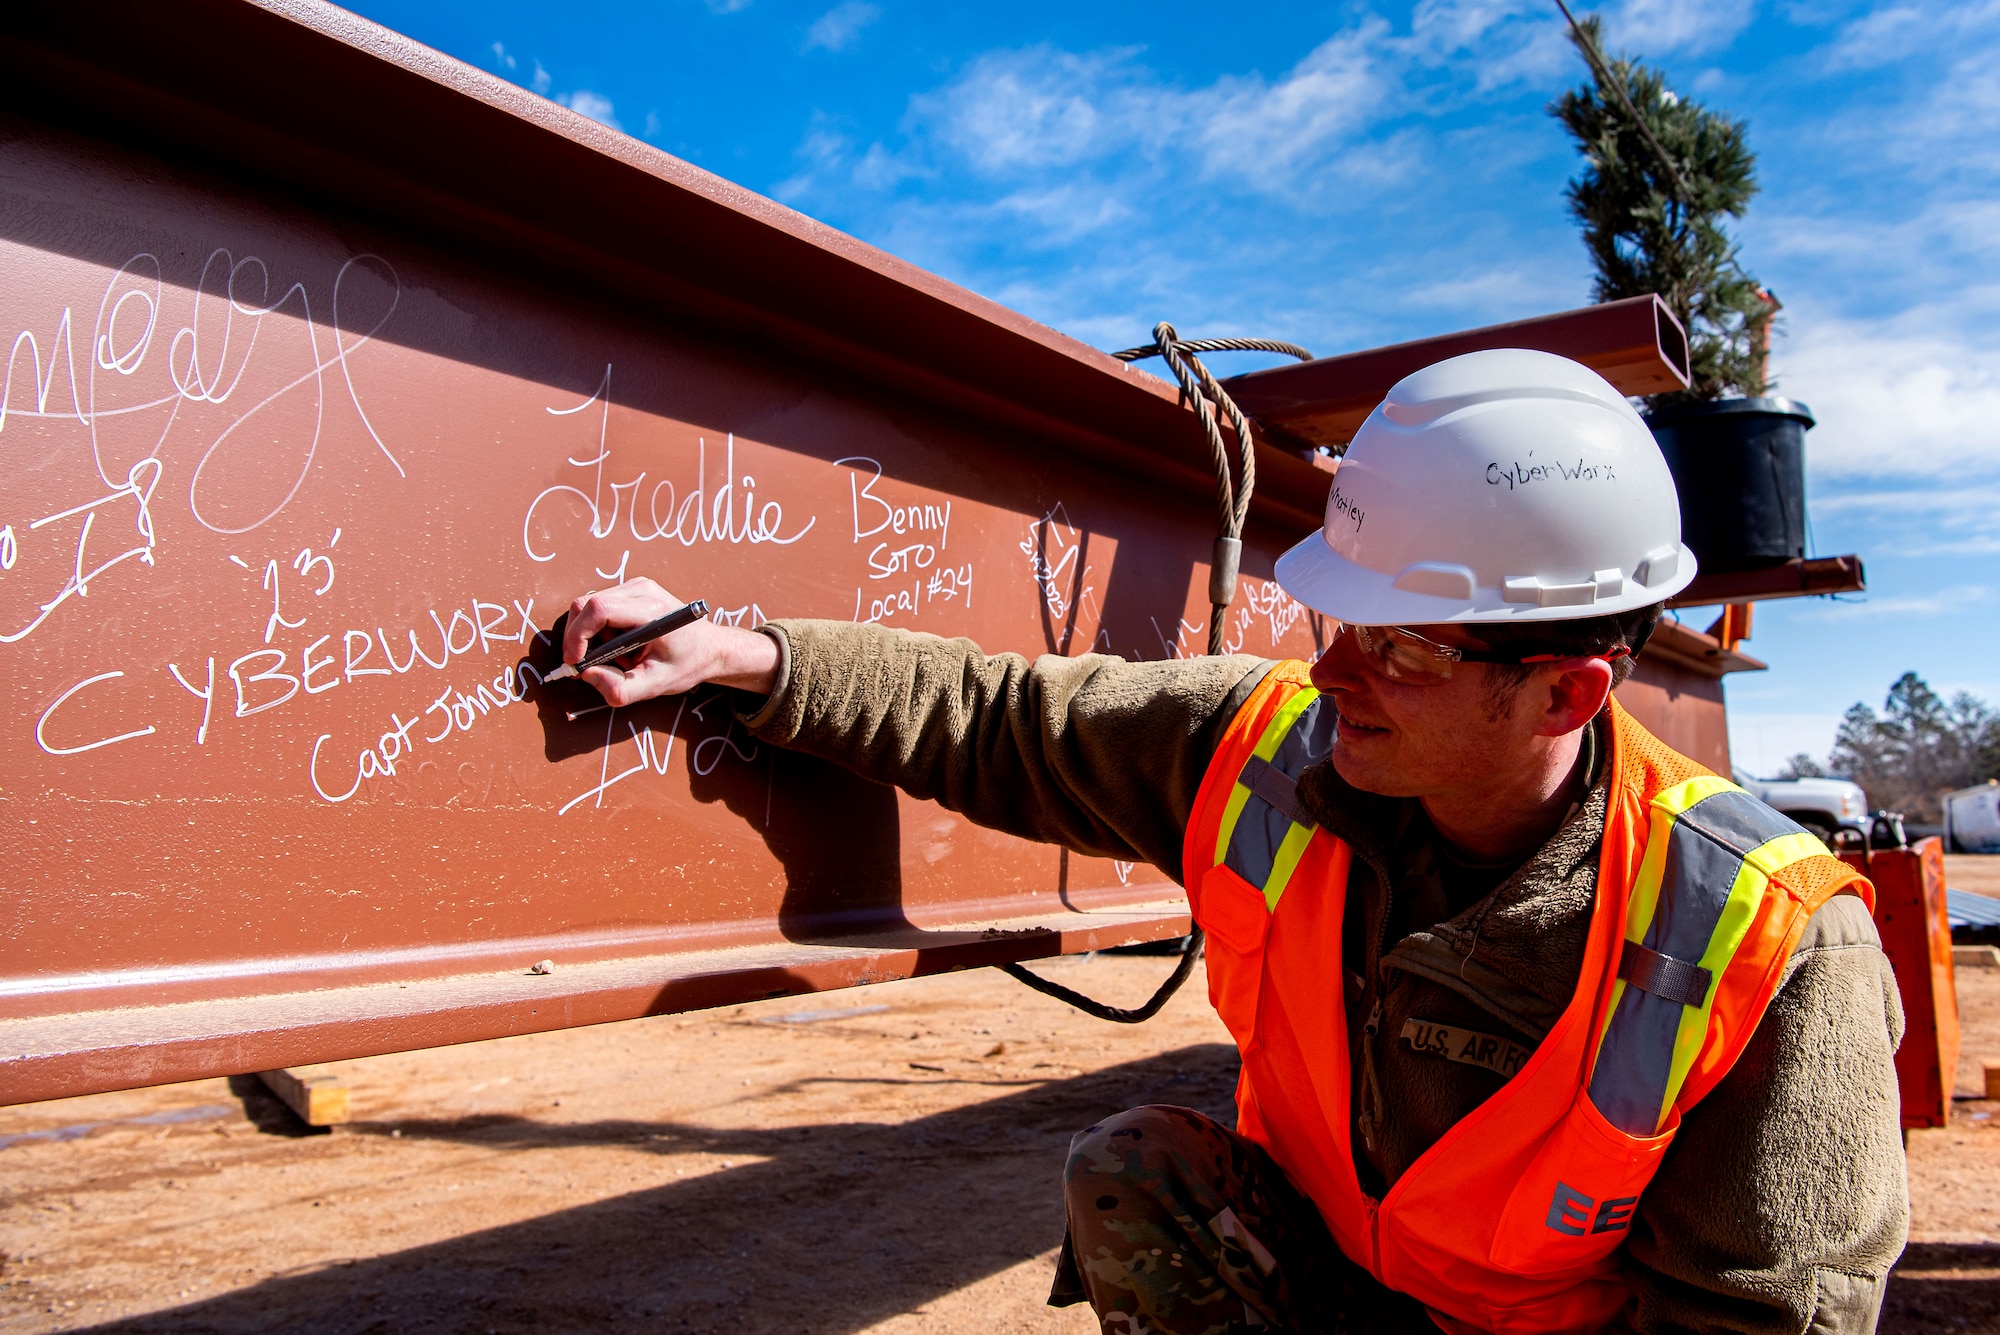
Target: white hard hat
x=1503, y=486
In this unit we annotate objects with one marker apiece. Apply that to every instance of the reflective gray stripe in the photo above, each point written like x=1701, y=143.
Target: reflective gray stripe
x=1705, y=851
x=1663, y=975
x=1310, y=740
x=1272, y=807
x=1739, y=820
x=1732, y=824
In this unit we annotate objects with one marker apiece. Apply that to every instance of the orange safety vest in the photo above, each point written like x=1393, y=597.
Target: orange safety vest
x=1511, y=1222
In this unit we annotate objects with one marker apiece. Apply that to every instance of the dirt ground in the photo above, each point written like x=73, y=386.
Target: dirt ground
x=880, y=1160
x=1949, y=1277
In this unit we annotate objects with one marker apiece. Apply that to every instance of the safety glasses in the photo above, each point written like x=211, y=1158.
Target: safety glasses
x=1402, y=655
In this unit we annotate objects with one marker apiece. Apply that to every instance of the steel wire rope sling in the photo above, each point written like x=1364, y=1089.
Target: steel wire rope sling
x=1201, y=391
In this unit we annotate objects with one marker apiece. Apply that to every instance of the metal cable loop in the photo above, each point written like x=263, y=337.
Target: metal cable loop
x=1202, y=392
x=1190, y=953
x=1219, y=345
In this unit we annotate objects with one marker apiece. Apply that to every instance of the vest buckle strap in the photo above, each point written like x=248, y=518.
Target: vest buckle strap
x=1276, y=787
x=1663, y=975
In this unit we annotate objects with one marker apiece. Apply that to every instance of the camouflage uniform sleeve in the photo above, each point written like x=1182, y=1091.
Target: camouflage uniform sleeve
x=1095, y=753
x=1783, y=1200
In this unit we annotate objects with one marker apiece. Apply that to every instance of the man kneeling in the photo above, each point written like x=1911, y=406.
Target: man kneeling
x=1544, y=1027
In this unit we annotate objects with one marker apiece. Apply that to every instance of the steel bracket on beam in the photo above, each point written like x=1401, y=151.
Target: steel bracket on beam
x=1636, y=344
x=1814, y=577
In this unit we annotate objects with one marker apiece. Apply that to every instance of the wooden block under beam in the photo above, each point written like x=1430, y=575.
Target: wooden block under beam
x=1991, y=1069
x=313, y=1092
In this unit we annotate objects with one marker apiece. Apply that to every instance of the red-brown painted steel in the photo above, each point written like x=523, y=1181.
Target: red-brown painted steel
x=353, y=121
x=1814, y=577
x=1636, y=344
x=298, y=470
x=338, y=368
x=1675, y=691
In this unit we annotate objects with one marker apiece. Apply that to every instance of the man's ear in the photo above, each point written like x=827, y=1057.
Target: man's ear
x=1572, y=696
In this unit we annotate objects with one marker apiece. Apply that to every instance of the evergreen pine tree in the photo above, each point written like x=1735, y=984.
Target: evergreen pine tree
x=1649, y=229
x=1920, y=746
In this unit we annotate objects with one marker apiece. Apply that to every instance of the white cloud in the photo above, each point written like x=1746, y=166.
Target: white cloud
x=837, y=29
x=727, y=6
x=1962, y=110
x=880, y=169
x=1896, y=32
x=1877, y=38
x=1320, y=131
x=1940, y=133
x=821, y=154
x=1650, y=27
x=1926, y=251
x=540, y=83
x=1892, y=265
x=1460, y=25
x=1515, y=41
x=505, y=61
x=1952, y=601
x=1322, y=135
x=1264, y=201
x=1066, y=212
x=1247, y=204
x=1040, y=107
x=1499, y=289
x=1927, y=521
x=1928, y=85
x=1024, y=111
x=1913, y=396
x=1510, y=41
x=652, y=125
x=594, y=105
x=1261, y=131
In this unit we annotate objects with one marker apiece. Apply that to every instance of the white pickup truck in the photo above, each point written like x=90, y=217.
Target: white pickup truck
x=1820, y=805
x=1972, y=819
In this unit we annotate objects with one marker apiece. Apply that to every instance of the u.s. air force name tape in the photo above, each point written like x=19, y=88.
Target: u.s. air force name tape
x=1465, y=1045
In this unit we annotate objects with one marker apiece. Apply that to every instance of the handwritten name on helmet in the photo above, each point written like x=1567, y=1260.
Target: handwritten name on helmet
x=1519, y=474
x=1342, y=505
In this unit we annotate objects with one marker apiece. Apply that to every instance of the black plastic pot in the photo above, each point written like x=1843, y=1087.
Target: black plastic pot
x=1740, y=468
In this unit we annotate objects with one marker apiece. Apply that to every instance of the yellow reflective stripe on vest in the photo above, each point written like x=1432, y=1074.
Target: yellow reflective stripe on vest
x=1289, y=852
x=1668, y=804
x=1262, y=838
x=1665, y=808
x=1267, y=746
x=1752, y=882
x=1711, y=850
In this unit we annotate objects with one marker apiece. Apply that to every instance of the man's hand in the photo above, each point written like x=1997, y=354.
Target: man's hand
x=701, y=652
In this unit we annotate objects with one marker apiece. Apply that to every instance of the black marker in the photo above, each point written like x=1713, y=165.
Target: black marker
x=619, y=645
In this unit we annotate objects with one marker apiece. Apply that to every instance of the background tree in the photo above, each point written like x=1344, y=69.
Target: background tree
x=1918, y=748
x=1652, y=227
x=1802, y=766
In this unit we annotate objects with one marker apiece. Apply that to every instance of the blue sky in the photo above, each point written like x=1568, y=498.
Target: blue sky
x=1346, y=175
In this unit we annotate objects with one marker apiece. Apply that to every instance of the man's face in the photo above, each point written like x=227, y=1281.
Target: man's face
x=1403, y=740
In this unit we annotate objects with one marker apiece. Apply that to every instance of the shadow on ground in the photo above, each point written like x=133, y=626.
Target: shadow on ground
x=267, y=1112
x=869, y=1220
x=1944, y=1286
